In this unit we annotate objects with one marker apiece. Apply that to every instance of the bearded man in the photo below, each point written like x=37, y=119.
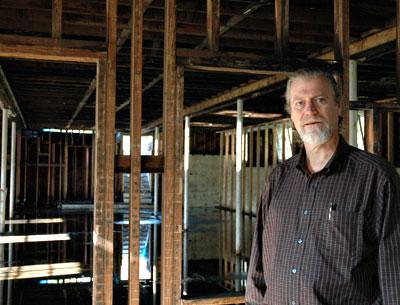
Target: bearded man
x=328, y=225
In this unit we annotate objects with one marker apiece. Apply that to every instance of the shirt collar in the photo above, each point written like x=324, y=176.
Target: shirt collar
x=341, y=152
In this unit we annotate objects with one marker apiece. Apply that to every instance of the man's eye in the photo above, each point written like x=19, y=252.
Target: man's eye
x=298, y=104
x=320, y=100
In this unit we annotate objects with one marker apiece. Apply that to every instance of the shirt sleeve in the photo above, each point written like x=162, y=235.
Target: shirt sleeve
x=256, y=286
x=389, y=242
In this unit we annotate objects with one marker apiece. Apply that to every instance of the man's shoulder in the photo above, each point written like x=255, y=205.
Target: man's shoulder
x=371, y=162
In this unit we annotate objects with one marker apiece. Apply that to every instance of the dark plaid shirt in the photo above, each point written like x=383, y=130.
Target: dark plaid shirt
x=330, y=238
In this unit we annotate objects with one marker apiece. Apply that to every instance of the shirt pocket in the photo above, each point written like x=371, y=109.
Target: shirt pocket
x=340, y=239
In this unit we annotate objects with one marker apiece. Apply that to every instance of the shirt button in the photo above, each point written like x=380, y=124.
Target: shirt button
x=299, y=241
x=294, y=270
x=306, y=212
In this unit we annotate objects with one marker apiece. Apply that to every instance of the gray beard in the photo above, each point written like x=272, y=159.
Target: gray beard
x=316, y=137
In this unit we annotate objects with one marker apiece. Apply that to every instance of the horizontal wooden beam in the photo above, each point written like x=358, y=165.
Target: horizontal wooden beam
x=360, y=105
x=219, y=300
x=149, y=164
x=37, y=271
x=12, y=239
x=34, y=221
x=22, y=50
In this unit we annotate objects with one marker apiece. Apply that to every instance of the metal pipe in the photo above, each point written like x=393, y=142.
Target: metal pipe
x=11, y=206
x=353, y=97
x=238, y=243
x=186, y=203
x=3, y=191
x=155, y=202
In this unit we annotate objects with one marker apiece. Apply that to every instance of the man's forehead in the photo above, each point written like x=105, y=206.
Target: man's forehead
x=318, y=85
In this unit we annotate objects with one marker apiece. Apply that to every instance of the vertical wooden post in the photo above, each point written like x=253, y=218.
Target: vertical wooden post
x=18, y=168
x=283, y=141
x=135, y=146
x=65, y=172
x=37, y=170
x=398, y=51
x=103, y=227
x=266, y=151
x=25, y=165
x=213, y=13
x=274, y=146
x=56, y=16
x=373, y=131
x=171, y=242
x=86, y=171
x=49, y=154
x=281, y=30
x=341, y=50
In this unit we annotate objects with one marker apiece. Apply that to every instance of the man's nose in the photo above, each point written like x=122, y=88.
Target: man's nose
x=310, y=107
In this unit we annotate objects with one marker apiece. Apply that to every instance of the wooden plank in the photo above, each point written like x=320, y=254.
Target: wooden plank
x=266, y=151
x=149, y=164
x=283, y=141
x=103, y=226
x=11, y=239
x=213, y=14
x=56, y=29
x=389, y=106
x=373, y=131
x=65, y=172
x=18, y=167
x=37, y=171
x=281, y=30
x=398, y=50
x=86, y=170
x=37, y=271
x=274, y=146
x=135, y=149
x=49, y=146
x=342, y=55
x=220, y=300
x=55, y=53
x=34, y=221
x=171, y=227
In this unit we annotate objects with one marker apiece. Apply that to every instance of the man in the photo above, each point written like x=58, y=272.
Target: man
x=328, y=226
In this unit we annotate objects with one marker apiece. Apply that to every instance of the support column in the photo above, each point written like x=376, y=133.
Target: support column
x=11, y=206
x=186, y=156
x=341, y=50
x=353, y=114
x=238, y=239
x=213, y=14
x=135, y=149
x=281, y=30
x=3, y=190
x=103, y=226
x=155, y=231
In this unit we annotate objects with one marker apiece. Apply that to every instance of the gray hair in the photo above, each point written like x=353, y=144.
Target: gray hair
x=312, y=73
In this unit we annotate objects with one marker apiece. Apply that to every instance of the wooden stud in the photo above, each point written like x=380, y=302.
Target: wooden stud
x=283, y=141
x=266, y=151
x=103, y=227
x=85, y=169
x=220, y=300
x=373, y=131
x=37, y=171
x=49, y=154
x=258, y=164
x=281, y=30
x=18, y=167
x=251, y=170
x=274, y=146
x=213, y=14
x=171, y=231
x=56, y=30
x=65, y=173
x=135, y=150
x=342, y=55
x=398, y=51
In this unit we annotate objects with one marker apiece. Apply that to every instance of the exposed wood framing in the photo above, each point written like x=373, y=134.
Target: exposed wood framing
x=373, y=131
x=213, y=11
x=355, y=47
x=149, y=164
x=342, y=55
x=281, y=29
x=103, y=226
x=135, y=135
x=398, y=50
x=171, y=227
x=56, y=29
x=219, y=300
x=122, y=38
